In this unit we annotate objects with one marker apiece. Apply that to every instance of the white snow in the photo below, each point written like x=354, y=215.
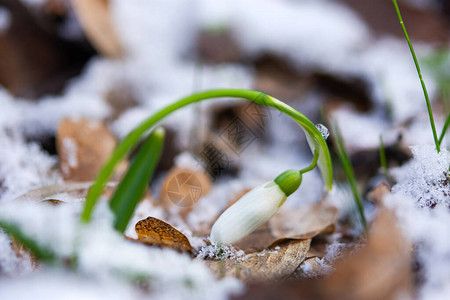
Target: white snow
x=422, y=183
x=10, y=263
x=23, y=166
x=70, y=147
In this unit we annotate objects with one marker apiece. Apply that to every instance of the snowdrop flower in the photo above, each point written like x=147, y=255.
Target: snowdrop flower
x=254, y=208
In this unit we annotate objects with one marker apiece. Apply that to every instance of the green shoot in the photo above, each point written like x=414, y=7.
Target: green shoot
x=314, y=137
x=132, y=188
x=444, y=129
x=348, y=169
x=427, y=100
x=41, y=253
x=383, y=160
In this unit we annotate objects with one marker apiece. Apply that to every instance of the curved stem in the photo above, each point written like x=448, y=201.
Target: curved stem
x=134, y=136
x=314, y=138
x=313, y=163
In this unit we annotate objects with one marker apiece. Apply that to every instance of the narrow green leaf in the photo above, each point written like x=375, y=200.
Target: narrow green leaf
x=419, y=73
x=383, y=160
x=444, y=129
x=132, y=188
x=28, y=242
x=348, y=169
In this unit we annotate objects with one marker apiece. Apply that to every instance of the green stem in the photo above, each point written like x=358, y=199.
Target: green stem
x=348, y=169
x=313, y=163
x=427, y=100
x=444, y=129
x=314, y=137
x=383, y=160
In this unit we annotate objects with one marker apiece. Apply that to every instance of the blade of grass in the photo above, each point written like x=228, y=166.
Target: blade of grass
x=383, y=160
x=132, y=188
x=348, y=169
x=444, y=129
x=427, y=100
x=41, y=253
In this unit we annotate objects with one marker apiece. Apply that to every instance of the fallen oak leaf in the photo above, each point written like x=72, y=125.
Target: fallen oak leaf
x=153, y=231
x=273, y=264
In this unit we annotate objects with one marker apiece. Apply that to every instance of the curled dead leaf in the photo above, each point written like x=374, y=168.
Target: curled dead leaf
x=153, y=231
x=276, y=263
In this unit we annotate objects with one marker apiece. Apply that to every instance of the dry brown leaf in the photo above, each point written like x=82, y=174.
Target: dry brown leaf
x=302, y=223
x=182, y=188
x=376, y=195
x=73, y=189
x=83, y=147
x=274, y=264
x=95, y=18
x=153, y=231
x=380, y=270
x=314, y=267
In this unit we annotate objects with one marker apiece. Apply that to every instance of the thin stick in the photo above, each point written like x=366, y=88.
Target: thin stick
x=427, y=100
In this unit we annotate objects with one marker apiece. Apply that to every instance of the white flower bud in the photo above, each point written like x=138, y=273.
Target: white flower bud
x=248, y=213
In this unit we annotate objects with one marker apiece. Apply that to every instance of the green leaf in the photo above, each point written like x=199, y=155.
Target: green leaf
x=28, y=242
x=348, y=169
x=132, y=188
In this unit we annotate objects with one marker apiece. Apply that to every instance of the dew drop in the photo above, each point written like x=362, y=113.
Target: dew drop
x=323, y=130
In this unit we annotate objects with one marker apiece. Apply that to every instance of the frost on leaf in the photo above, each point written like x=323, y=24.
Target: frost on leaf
x=276, y=263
